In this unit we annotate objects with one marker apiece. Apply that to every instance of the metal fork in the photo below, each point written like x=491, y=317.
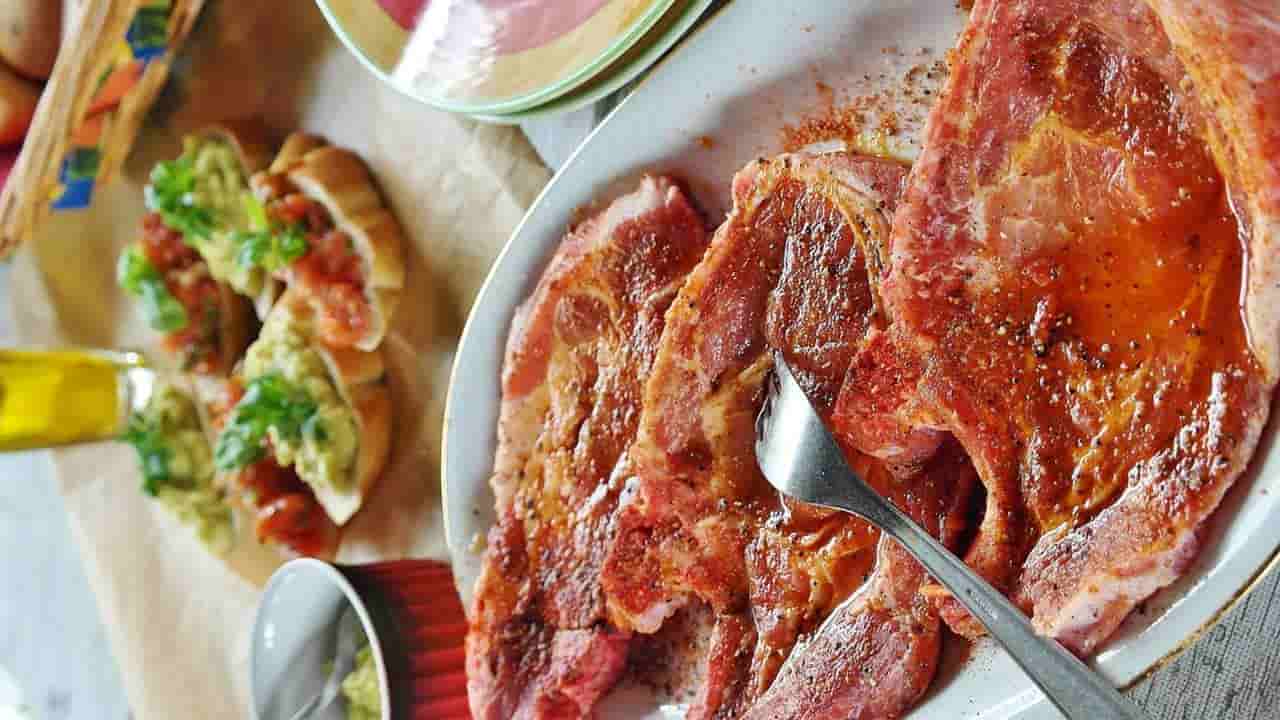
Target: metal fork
x=348, y=634
x=800, y=458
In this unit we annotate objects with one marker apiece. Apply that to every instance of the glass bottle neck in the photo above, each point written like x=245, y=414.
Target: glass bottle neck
x=61, y=397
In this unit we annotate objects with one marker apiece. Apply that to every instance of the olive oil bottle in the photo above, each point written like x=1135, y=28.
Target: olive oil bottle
x=58, y=397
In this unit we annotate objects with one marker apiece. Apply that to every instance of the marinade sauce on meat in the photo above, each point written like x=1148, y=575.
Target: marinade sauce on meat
x=793, y=269
x=1067, y=272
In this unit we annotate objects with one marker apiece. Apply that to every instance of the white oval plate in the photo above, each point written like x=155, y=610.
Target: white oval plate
x=716, y=103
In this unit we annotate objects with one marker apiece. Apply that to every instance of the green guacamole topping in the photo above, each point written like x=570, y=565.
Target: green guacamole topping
x=364, y=702
x=205, y=195
x=177, y=465
x=271, y=245
x=141, y=279
x=291, y=401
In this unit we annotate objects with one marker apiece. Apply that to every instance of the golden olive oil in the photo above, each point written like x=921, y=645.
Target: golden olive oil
x=57, y=397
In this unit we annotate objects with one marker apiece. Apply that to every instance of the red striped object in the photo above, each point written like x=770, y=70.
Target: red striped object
x=422, y=629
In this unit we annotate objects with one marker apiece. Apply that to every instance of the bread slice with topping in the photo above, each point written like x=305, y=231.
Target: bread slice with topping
x=203, y=195
x=336, y=242
x=175, y=457
x=320, y=411
x=205, y=324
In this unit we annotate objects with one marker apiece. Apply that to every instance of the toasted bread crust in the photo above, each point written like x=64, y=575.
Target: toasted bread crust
x=295, y=146
x=373, y=409
x=351, y=367
x=235, y=328
x=360, y=378
x=340, y=181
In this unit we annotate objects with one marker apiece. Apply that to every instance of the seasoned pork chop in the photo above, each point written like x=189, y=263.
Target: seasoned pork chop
x=876, y=654
x=577, y=356
x=793, y=268
x=1066, y=279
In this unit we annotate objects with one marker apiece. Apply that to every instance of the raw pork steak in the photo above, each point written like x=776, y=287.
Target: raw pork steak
x=1066, y=277
x=793, y=268
x=577, y=356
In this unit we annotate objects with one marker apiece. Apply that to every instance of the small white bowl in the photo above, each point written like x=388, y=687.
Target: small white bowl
x=294, y=640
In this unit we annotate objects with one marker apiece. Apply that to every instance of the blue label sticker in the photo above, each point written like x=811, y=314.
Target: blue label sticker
x=76, y=179
x=148, y=34
x=146, y=39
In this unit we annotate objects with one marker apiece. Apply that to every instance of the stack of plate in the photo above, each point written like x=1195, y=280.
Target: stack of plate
x=510, y=60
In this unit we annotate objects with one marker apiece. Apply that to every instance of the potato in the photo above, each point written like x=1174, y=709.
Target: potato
x=30, y=33
x=18, y=99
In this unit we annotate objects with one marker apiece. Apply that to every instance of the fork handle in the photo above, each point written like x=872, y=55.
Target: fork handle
x=307, y=709
x=1078, y=692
